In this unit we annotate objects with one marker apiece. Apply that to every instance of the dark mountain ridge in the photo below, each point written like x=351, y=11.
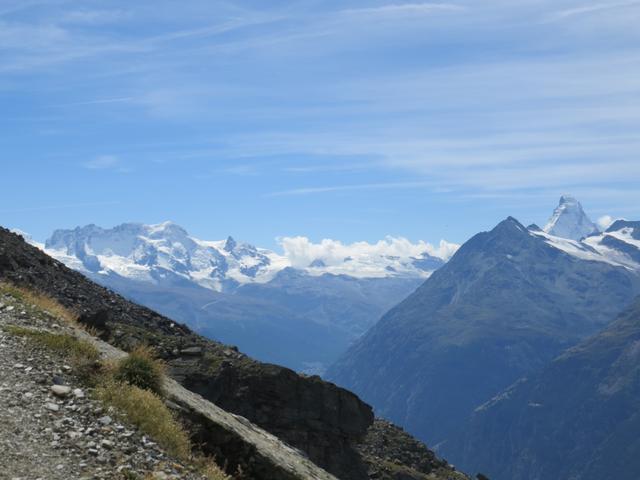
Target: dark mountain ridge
x=505, y=305
x=577, y=418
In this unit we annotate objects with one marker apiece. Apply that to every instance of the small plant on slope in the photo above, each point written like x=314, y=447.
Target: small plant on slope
x=141, y=369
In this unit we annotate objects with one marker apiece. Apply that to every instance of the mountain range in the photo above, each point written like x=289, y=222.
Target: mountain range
x=577, y=418
x=257, y=420
x=274, y=308
x=507, y=303
x=516, y=358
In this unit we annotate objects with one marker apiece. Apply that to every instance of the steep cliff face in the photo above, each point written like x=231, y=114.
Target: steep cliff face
x=315, y=416
x=578, y=418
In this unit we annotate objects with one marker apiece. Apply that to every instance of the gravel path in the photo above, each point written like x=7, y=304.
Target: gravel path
x=64, y=435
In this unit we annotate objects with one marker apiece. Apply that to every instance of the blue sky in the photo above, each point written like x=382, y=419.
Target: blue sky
x=350, y=120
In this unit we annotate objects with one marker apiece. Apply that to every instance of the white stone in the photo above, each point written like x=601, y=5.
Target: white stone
x=106, y=420
x=61, y=390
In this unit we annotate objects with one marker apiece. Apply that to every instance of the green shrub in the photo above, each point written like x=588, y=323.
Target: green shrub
x=141, y=369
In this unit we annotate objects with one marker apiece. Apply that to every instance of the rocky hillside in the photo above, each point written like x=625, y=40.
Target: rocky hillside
x=393, y=454
x=578, y=418
x=326, y=422
x=104, y=389
x=52, y=427
x=506, y=304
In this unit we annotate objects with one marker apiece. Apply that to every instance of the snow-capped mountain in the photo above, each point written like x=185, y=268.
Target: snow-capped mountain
x=165, y=254
x=509, y=301
x=619, y=245
x=301, y=308
x=569, y=220
x=571, y=231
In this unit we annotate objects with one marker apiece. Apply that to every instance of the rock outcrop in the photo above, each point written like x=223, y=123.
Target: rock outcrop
x=393, y=454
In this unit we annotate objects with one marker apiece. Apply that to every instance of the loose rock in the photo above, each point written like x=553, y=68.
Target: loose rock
x=61, y=390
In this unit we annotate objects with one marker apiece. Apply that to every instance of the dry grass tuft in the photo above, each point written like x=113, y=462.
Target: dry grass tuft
x=81, y=354
x=149, y=413
x=67, y=345
x=39, y=301
x=210, y=470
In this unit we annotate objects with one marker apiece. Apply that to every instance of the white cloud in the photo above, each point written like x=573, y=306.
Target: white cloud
x=95, y=17
x=404, y=9
x=242, y=170
x=593, y=8
x=354, y=187
x=96, y=102
x=605, y=221
x=300, y=251
x=444, y=250
x=103, y=162
x=68, y=206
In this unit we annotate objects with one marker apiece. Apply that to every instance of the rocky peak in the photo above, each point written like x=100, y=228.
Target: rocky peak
x=508, y=232
x=620, y=224
x=569, y=220
x=230, y=245
x=510, y=224
x=317, y=263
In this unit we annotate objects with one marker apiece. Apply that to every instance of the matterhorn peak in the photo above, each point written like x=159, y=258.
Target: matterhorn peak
x=569, y=220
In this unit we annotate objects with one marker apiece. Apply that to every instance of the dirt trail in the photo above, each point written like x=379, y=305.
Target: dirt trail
x=51, y=437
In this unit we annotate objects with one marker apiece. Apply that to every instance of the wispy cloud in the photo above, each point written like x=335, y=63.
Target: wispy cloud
x=354, y=187
x=450, y=98
x=18, y=5
x=215, y=29
x=68, y=206
x=335, y=167
x=242, y=170
x=405, y=9
x=96, y=102
x=593, y=8
x=105, y=162
x=95, y=17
